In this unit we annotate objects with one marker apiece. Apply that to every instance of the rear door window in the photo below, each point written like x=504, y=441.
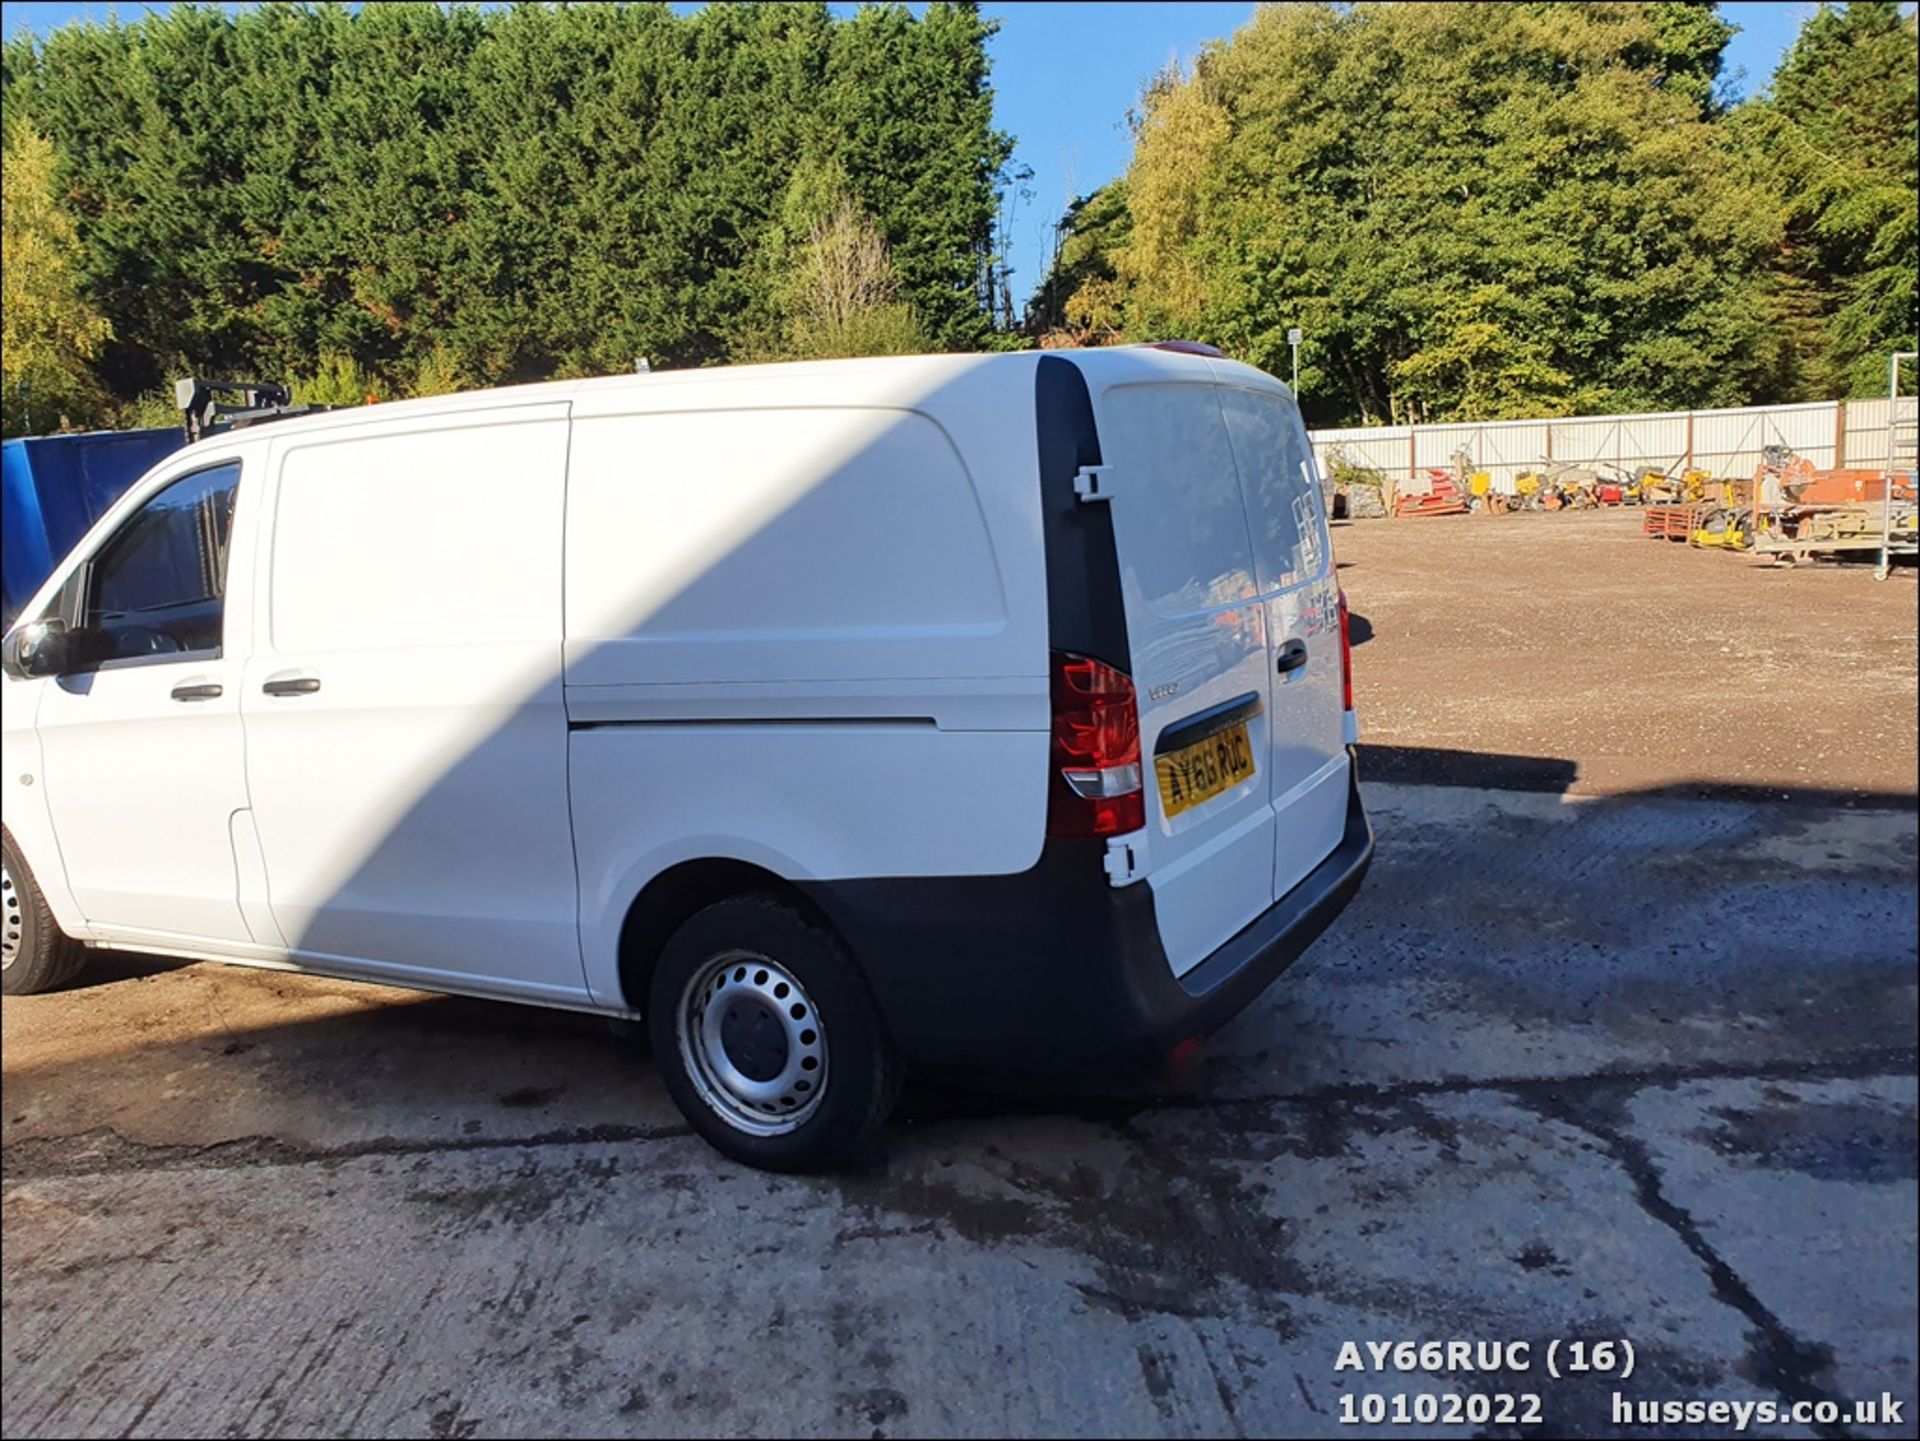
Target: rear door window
x=1284, y=508
x=1181, y=525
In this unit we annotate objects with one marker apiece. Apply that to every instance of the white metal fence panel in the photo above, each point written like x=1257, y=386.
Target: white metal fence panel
x=1866, y=443
x=1505, y=448
x=1726, y=442
x=1585, y=442
x=1382, y=448
x=1434, y=445
x=1731, y=442
x=1628, y=441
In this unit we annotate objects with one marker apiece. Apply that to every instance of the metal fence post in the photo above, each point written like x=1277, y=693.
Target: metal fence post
x=1885, y=568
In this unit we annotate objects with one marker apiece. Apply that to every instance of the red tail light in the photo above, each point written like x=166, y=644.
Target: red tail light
x=1346, y=656
x=1095, y=787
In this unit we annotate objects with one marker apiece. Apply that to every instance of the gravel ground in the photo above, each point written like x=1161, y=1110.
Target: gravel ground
x=1618, y=1041
x=1586, y=652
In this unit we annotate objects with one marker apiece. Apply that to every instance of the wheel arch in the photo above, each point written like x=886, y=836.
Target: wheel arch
x=671, y=898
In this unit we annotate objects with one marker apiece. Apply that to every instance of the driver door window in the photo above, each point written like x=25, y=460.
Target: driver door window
x=157, y=589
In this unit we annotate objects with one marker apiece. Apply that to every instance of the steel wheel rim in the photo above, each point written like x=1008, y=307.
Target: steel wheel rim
x=751, y=1041
x=16, y=919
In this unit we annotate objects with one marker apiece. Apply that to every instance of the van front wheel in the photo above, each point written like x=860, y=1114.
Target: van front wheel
x=768, y=1039
x=34, y=955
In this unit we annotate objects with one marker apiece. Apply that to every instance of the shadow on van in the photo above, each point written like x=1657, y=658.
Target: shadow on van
x=613, y=748
x=764, y=670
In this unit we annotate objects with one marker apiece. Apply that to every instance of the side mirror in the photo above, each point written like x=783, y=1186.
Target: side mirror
x=41, y=647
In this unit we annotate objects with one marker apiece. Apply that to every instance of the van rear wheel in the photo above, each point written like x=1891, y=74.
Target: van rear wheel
x=34, y=954
x=768, y=1039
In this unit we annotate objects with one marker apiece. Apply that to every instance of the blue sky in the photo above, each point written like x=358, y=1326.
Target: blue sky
x=1065, y=74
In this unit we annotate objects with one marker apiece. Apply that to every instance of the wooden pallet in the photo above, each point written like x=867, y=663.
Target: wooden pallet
x=1672, y=522
x=1430, y=505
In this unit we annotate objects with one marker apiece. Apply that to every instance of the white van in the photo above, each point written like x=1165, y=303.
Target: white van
x=957, y=709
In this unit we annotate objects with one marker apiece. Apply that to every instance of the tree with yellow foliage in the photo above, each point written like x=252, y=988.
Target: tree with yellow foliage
x=843, y=298
x=48, y=330
x=1179, y=139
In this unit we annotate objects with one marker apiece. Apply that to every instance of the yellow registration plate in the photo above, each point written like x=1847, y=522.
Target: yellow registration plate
x=1201, y=771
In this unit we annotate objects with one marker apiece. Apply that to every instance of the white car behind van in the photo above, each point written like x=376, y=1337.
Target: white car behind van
x=976, y=710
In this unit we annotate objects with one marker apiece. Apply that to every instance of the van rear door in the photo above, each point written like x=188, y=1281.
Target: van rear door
x=1197, y=628
x=1299, y=595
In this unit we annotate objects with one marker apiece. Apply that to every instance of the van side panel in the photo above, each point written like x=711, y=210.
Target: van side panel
x=774, y=544
x=789, y=642
x=412, y=804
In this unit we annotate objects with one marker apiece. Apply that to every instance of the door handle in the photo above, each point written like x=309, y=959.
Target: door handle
x=292, y=685
x=1293, y=655
x=196, y=690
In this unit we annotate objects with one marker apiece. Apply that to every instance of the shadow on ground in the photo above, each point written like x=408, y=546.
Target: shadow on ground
x=1492, y=897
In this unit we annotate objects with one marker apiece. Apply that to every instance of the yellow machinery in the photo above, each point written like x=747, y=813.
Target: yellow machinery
x=1654, y=487
x=1723, y=529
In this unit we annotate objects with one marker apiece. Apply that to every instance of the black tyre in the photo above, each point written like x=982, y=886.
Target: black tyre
x=36, y=956
x=768, y=1039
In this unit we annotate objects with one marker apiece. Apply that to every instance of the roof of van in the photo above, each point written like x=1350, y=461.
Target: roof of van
x=870, y=380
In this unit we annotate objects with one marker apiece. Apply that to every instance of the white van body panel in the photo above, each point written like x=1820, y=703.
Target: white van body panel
x=412, y=808
x=806, y=802
x=806, y=628
x=153, y=843
x=28, y=819
x=738, y=546
x=893, y=499
x=1224, y=559
x=569, y=636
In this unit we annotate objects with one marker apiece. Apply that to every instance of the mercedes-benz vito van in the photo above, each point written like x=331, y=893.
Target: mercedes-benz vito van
x=973, y=710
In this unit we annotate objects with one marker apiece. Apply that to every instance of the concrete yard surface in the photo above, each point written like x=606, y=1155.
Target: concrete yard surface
x=1617, y=1044
x=1570, y=1069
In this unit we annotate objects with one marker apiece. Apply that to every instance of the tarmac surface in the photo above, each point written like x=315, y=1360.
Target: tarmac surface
x=1601, y=1052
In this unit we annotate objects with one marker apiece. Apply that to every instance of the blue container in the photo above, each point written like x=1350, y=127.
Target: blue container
x=53, y=488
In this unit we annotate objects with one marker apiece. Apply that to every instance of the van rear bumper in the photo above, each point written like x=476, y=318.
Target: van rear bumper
x=1055, y=968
